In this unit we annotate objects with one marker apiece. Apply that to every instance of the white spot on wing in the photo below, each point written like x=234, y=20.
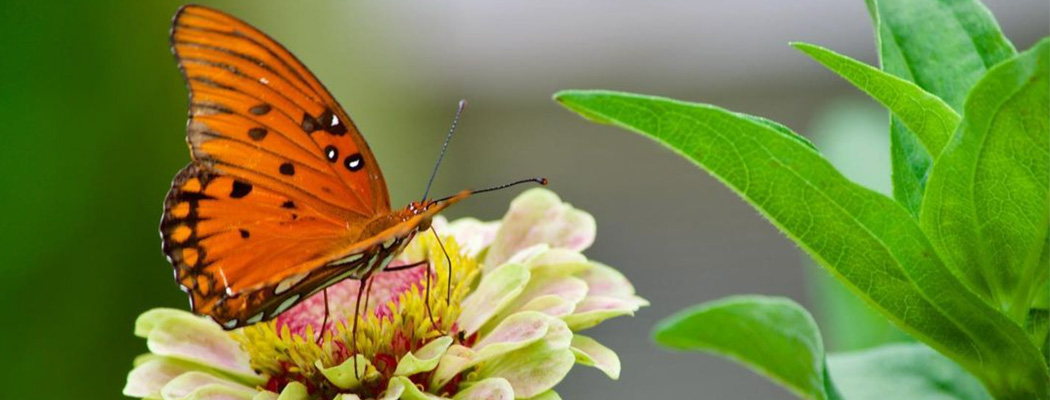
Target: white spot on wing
x=288, y=282
x=256, y=318
x=335, y=120
x=286, y=304
x=230, y=324
x=264, y=81
x=354, y=163
x=349, y=259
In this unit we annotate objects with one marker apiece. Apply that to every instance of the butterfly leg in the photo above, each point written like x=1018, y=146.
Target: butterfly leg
x=406, y=266
x=448, y=295
x=324, y=322
x=368, y=292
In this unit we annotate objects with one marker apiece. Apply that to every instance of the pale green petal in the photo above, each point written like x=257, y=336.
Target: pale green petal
x=523, y=256
x=539, y=216
x=553, y=305
x=593, y=310
x=409, y=390
x=589, y=352
x=424, y=359
x=265, y=395
x=343, y=376
x=472, y=235
x=532, y=371
x=149, y=376
x=294, y=391
x=394, y=389
x=537, y=367
x=216, y=392
x=455, y=360
x=606, y=281
x=346, y=396
x=495, y=291
x=148, y=320
x=572, y=289
x=557, y=256
x=514, y=332
x=488, y=389
x=548, y=395
x=196, y=384
x=182, y=335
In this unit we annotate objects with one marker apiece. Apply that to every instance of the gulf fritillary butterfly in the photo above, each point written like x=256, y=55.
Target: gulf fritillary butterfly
x=283, y=197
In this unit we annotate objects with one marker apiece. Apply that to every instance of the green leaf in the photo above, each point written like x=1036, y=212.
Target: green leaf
x=773, y=336
x=932, y=121
x=866, y=240
x=902, y=371
x=986, y=208
x=944, y=46
x=851, y=134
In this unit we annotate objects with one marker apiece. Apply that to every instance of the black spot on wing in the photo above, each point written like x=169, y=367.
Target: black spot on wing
x=261, y=109
x=287, y=169
x=240, y=189
x=257, y=134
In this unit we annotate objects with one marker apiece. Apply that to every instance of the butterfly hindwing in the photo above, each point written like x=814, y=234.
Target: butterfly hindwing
x=225, y=236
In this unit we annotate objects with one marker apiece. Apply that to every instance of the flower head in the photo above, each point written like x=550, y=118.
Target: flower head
x=500, y=321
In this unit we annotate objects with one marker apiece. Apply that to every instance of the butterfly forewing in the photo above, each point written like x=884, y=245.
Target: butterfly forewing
x=257, y=113
x=284, y=196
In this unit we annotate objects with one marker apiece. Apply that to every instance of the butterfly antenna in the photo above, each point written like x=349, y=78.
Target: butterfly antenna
x=541, y=181
x=444, y=147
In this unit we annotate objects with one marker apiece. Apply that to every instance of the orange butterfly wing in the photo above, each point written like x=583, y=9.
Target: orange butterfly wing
x=283, y=187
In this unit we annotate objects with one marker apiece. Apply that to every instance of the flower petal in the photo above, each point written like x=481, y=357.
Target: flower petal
x=589, y=352
x=455, y=360
x=343, y=376
x=539, y=216
x=514, y=332
x=294, y=391
x=199, y=385
x=557, y=256
x=488, y=389
x=593, y=310
x=149, y=376
x=572, y=289
x=604, y=280
x=185, y=336
x=346, y=396
x=472, y=235
x=409, y=390
x=494, y=292
x=537, y=367
x=425, y=359
x=265, y=395
x=553, y=305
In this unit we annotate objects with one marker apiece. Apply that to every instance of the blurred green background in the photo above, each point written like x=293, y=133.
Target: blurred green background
x=93, y=115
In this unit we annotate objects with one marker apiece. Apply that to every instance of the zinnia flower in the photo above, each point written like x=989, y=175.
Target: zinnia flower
x=502, y=325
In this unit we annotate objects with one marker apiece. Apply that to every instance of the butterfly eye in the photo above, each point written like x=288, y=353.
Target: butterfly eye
x=354, y=162
x=331, y=153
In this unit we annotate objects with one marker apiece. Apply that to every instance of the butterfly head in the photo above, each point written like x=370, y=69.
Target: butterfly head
x=428, y=208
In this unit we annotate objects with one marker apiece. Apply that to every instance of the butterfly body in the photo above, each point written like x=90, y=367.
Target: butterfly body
x=283, y=197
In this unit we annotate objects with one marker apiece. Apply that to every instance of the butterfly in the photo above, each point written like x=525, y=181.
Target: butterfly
x=283, y=197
